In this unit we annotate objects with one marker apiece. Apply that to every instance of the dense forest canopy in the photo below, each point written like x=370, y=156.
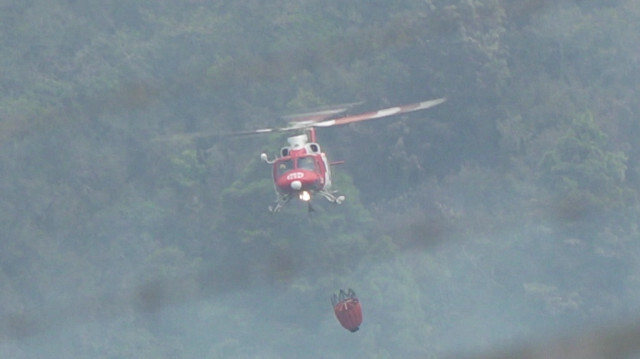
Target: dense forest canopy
x=508, y=214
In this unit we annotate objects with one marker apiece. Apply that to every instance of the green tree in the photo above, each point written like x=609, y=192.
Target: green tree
x=581, y=169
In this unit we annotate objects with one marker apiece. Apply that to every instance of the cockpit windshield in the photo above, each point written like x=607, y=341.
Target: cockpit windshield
x=306, y=163
x=284, y=166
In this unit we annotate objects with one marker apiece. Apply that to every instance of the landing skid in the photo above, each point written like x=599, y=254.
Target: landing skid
x=279, y=203
x=284, y=199
x=331, y=197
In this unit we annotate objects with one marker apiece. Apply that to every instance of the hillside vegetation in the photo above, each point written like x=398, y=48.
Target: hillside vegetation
x=509, y=212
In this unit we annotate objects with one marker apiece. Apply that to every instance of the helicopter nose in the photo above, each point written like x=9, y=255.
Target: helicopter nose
x=296, y=185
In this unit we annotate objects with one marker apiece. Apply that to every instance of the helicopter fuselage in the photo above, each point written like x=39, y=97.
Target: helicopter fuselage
x=302, y=167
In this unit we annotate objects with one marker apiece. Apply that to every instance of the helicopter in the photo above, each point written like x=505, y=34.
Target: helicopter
x=302, y=169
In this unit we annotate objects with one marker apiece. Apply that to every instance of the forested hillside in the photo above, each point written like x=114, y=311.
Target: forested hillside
x=508, y=214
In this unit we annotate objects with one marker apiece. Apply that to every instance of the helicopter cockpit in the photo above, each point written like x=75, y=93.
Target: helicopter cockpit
x=304, y=163
x=285, y=165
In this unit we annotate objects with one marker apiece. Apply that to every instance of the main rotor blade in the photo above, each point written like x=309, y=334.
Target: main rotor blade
x=321, y=113
x=381, y=113
x=310, y=121
x=186, y=137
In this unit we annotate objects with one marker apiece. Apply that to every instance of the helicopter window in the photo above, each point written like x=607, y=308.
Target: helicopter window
x=306, y=163
x=284, y=166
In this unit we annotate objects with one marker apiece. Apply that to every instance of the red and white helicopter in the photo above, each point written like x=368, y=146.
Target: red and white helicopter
x=301, y=169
